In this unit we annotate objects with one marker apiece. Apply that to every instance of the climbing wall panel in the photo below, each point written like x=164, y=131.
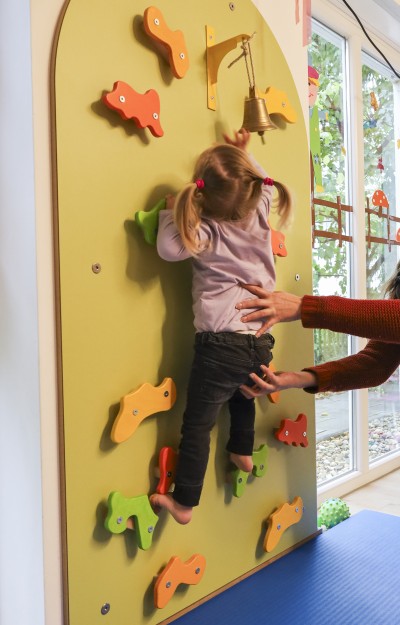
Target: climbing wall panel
x=125, y=315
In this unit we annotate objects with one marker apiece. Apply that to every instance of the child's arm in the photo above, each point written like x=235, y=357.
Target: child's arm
x=240, y=140
x=169, y=242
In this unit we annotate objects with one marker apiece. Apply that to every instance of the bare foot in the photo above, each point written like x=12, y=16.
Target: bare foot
x=245, y=463
x=181, y=514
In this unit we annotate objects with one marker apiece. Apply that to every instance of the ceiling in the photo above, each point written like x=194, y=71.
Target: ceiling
x=391, y=6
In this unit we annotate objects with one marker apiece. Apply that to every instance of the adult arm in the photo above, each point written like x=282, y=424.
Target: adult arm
x=370, y=367
x=373, y=319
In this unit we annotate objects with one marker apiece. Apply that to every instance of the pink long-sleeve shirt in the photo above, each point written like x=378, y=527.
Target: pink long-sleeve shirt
x=238, y=252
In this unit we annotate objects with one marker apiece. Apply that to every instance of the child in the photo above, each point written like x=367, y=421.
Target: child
x=220, y=220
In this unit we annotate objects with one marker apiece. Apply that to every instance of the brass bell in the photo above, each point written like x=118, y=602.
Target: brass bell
x=256, y=118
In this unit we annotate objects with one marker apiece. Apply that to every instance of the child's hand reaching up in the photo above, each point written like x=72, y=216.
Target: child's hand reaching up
x=240, y=140
x=169, y=201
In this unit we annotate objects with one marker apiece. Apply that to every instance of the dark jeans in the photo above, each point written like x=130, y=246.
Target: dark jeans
x=222, y=362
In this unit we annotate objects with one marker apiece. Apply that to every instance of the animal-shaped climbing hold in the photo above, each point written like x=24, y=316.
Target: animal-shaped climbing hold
x=278, y=243
x=277, y=103
x=239, y=477
x=120, y=511
x=143, y=108
x=171, y=43
x=293, y=432
x=273, y=397
x=177, y=572
x=139, y=405
x=167, y=459
x=148, y=221
x=286, y=515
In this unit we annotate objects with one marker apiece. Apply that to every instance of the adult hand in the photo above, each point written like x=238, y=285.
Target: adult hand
x=273, y=307
x=279, y=381
x=240, y=140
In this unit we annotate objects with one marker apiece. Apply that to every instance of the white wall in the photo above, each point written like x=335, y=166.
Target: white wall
x=21, y=541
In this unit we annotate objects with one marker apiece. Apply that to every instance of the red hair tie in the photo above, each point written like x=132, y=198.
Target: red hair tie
x=268, y=181
x=200, y=183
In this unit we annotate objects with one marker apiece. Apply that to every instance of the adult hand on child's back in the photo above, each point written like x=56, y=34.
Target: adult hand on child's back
x=272, y=307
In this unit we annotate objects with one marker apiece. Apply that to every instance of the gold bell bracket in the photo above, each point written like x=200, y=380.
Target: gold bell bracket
x=215, y=52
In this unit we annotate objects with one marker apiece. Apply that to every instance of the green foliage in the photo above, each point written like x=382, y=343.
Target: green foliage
x=331, y=263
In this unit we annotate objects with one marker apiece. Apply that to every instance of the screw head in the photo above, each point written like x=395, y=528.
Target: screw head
x=105, y=608
x=155, y=115
x=135, y=412
x=122, y=98
x=157, y=21
x=182, y=56
x=168, y=585
x=96, y=268
x=166, y=393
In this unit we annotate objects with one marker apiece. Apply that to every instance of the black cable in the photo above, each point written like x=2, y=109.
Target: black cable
x=369, y=38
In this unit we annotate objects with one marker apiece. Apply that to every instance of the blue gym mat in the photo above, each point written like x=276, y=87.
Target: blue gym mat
x=349, y=575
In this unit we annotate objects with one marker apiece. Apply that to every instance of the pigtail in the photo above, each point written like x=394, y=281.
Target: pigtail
x=187, y=213
x=392, y=287
x=284, y=204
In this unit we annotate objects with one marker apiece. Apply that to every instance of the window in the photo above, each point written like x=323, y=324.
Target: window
x=356, y=235
x=383, y=242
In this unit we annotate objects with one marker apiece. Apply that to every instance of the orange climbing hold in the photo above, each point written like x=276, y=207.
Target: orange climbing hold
x=293, y=432
x=172, y=42
x=278, y=243
x=177, y=572
x=143, y=108
x=166, y=465
x=286, y=515
x=142, y=403
x=273, y=397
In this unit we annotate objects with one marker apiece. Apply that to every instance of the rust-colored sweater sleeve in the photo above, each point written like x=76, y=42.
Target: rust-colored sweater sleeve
x=371, y=319
x=372, y=366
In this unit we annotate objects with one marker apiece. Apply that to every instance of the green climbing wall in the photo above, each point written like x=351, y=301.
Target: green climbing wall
x=131, y=322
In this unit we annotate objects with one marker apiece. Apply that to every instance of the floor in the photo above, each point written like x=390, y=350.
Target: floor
x=348, y=575
x=383, y=495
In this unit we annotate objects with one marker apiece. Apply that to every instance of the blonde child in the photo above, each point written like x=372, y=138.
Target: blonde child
x=220, y=220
